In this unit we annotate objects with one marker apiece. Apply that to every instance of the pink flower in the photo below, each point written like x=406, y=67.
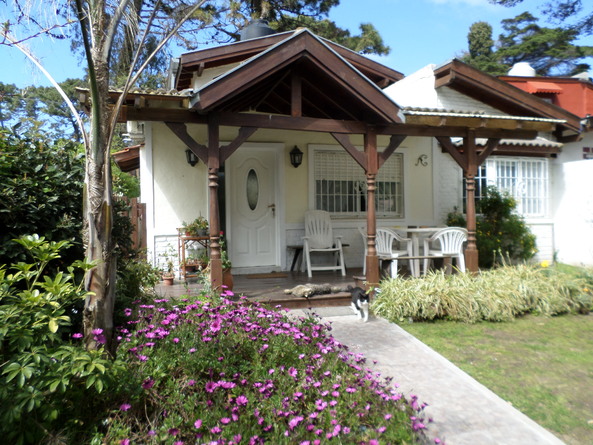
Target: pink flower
x=124, y=442
x=148, y=383
x=241, y=400
x=125, y=407
x=77, y=335
x=294, y=422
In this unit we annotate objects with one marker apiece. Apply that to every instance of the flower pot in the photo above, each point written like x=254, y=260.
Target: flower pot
x=203, y=232
x=227, y=279
x=168, y=280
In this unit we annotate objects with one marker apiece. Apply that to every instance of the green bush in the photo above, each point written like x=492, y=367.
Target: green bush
x=40, y=192
x=499, y=294
x=46, y=380
x=501, y=234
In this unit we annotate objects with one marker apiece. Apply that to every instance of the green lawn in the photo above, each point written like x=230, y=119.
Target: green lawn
x=542, y=365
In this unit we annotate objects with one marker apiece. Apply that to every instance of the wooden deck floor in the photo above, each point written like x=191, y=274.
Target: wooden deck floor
x=270, y=288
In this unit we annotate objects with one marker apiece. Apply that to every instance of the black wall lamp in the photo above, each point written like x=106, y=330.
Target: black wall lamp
x=192, y=159
x=296, y=157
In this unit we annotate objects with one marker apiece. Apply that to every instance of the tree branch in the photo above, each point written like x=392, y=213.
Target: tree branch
x=133, y=78
x=73, y=110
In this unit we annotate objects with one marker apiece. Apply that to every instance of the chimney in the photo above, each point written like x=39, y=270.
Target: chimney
x=522, y=69
x=256, y=28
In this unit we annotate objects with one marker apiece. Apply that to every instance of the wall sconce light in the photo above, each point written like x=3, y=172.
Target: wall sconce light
x=296, y=157
x=191, y=157
x=422, y=160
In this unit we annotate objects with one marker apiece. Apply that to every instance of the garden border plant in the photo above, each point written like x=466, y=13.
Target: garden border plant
x=499, y=294
x=210, y=369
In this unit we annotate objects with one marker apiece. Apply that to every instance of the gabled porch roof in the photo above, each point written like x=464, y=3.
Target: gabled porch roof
x=300, y=76
x=195, y=62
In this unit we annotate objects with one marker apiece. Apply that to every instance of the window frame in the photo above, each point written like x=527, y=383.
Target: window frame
x=399, y=193
x=489, y=173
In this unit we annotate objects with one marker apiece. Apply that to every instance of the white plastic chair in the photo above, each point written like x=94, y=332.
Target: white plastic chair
x=319, y=238
x=450, y=242
x=386, y=243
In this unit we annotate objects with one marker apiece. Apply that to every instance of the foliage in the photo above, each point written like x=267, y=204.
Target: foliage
x=46, y=380
x=136, y=280
x=194, y=227
x=562, y=11
x=215, y=370
x=224, y=254
x=494, y=295
x=40, y=111
x=501, y=234
x=367, y=42
x=548, y=50
x=40, y=192
x=481, y=53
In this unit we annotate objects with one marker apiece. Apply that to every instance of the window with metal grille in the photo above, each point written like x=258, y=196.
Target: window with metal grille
x=526, y=179
x=340, y=185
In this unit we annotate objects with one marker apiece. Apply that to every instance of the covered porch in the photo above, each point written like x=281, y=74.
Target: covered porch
x=269, y=288
x=297, y=82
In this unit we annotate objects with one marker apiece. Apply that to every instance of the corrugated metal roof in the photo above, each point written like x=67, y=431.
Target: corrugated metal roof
x=475, y=114
x=537, y=142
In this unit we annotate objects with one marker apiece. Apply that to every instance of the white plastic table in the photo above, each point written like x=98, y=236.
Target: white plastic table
x=415, y=233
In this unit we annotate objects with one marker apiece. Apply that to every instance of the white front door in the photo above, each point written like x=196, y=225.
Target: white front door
x=253, y=197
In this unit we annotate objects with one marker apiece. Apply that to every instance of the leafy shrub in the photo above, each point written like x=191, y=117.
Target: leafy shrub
x=500, y=232
x=45, y=379
x=136, y=279
x=215, y=370
x=494, y=295
x=40, y=192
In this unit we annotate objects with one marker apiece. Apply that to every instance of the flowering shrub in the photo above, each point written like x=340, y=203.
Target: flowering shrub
x=217, y=371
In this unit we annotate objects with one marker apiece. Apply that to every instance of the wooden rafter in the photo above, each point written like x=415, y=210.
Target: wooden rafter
x=394, y=142
x=180, y=130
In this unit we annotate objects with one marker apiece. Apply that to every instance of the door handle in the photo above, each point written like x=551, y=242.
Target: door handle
x=273, y=207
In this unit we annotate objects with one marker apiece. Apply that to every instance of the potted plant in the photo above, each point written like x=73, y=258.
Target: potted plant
x=198, y=227
x=227, y=276
x=168, y=272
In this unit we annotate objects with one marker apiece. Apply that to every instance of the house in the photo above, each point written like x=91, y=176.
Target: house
x=571, y=170
x=373, y=155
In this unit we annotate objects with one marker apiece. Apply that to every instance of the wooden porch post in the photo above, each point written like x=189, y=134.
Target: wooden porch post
x=213, y=167
x=372, y=261
x=471, y=251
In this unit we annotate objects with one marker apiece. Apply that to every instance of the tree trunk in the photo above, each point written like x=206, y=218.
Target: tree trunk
x=98, y=209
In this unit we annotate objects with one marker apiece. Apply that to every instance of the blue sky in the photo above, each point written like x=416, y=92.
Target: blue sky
x=418, y=32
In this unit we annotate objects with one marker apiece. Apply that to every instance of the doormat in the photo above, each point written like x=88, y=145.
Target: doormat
x=268, y=275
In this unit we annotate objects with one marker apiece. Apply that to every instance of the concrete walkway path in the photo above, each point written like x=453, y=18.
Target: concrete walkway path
x=464, y=411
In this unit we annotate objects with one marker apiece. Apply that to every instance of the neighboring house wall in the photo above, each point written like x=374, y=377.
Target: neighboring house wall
x=573, y=204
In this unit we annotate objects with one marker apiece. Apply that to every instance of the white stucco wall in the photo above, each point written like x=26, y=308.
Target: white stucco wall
x=176, y=192
x=572, y=204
